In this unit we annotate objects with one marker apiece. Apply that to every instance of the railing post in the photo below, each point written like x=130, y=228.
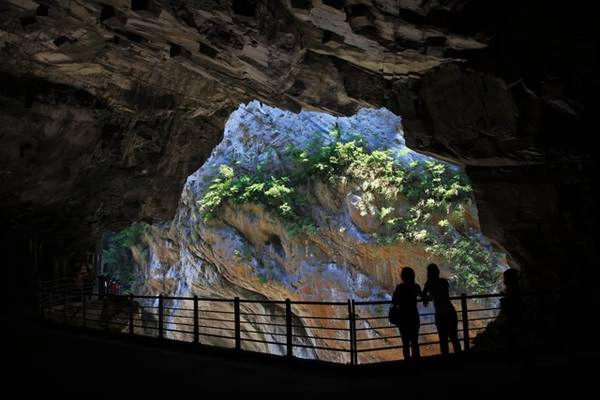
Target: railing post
x=160, y=316
x=83, y=310
x=465, y=321
x=105, y=311
x=288, y=327
x=352, y=332
x=41, y=300
x=196, y=327
x=131, y=314
x=354, y=341
x=65, y=307
x=236, y=313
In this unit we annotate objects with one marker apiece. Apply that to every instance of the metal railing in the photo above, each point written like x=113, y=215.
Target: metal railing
x=354, y=332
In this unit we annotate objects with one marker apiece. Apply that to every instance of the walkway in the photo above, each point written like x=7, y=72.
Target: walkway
x=351, y=332
x=65, y=359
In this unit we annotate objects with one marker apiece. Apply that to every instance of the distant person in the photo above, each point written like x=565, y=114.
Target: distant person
x=102, y=285
x=446, y=321
x=80, y=280
x=89, y=280
x=112, y=286
x=512, y=307
x=405, y=298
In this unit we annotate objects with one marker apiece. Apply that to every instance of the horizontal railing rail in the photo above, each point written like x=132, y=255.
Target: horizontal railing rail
x=354, y=332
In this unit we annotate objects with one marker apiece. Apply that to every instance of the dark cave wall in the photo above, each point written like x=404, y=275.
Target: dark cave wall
x=72, y=166
x=70, y=158
x=534, y=191
x=522, y=116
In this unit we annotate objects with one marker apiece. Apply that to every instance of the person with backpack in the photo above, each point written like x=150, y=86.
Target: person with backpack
x=407, y=315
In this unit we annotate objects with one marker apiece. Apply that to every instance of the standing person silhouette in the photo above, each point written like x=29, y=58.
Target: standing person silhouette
x=445, y=313
x=512, y=308
x=405, y=298
x=80, y=278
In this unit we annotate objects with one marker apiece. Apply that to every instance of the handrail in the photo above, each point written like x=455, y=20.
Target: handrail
x=296, y=330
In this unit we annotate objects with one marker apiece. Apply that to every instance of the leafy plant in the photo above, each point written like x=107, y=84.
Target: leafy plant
x=436, y=194
x=276, y=194
x=470, y=263
x=117, y=254
x=244, y=255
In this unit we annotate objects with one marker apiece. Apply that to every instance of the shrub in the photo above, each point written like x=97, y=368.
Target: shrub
x=117, y=252
x=276, y=194
x=430, y=187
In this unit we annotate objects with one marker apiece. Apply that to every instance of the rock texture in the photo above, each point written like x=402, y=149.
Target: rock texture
x=143, y=88
x=108, y=106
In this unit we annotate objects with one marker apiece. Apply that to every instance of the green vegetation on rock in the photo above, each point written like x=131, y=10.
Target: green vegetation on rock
x=436, y=195
x=276, y=194
x=118, y=252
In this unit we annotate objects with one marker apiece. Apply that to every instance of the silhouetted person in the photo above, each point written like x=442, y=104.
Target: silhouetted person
x=512, y=307
x=112, y=286
x=89, y=282
x=101, y=282
x=445, y=313
x=79, y=281
x=405, y=298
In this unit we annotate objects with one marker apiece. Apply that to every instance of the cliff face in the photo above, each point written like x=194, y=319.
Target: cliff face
x=247, y=249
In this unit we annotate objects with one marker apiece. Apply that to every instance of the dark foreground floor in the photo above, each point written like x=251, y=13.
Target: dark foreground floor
x=54, y=360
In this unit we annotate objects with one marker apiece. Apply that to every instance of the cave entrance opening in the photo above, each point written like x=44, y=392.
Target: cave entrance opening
x=280, y=179
x=311, y=206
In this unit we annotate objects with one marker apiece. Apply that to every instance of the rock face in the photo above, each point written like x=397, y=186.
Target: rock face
x=108, y=106
x=247, y=251
x=70, y=153
x=207, y=55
